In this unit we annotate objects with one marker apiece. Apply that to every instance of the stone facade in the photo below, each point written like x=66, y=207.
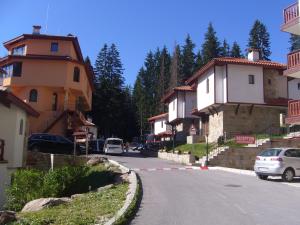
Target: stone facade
x=183, y=129
x=275, y=85
x=186, y=159
x=244, y=120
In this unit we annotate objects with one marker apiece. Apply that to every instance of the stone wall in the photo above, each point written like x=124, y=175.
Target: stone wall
x=42, y=161
x=186, y=159
x=244, y=158
x=247, y=122
x=215, y=129
x=183, y=128
x=275, y=85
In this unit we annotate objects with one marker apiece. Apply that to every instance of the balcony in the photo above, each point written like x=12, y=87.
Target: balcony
x=293, y=66
x=293, y=112
x=291, y=19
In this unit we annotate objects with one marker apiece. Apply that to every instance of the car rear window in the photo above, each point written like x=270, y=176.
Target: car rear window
x=270, y=152
x=114, y=142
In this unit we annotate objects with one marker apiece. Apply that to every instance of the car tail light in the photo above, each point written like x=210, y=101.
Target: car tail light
x=257, y=158
x=277, y=159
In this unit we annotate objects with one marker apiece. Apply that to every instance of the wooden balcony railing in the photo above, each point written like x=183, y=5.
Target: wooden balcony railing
x=291, y=13
x=294, y=59
x=2, y=144
x=294, y=108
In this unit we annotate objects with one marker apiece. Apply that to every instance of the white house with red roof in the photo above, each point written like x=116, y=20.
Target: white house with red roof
x=291, y=24
x=240, y=95
x=180, y=102
x=160, y=126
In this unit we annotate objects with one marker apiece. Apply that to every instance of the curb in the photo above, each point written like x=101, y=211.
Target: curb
x=236, y=171
x=131, y=194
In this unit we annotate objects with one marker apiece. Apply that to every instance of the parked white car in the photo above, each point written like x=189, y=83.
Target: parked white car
x=113, y=146
x=284, y=162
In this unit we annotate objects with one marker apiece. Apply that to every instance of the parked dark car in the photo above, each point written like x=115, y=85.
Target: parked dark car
x=50, y=143
x=96, y=146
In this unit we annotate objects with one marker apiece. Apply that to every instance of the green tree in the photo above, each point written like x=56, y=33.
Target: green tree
x=236, y=51
x=225, y=49
x=259, y=38
x=211, y=45
x=112, y=108
x=188, y=58
x=176, y=78
x=199, y=61
x=294, y=42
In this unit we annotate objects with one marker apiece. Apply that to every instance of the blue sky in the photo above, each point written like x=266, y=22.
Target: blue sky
x=137, y=26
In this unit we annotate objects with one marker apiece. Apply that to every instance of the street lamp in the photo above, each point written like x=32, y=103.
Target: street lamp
x=206, y=161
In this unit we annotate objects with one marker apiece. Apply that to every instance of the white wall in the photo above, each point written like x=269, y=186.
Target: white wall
x=172, y=112
x=160, y=126
x=4, y=181
x=239, y=89
x=294, y=93
x=205, y=99
x=9, y=131
x=221, y=91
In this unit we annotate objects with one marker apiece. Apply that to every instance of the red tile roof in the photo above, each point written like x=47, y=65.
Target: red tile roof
x=167, y=96
x=160, y=116
x=7, y=98
x=238, y=61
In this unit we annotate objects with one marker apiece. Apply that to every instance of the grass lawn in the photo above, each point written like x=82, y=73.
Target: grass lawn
x=87, y=209
x=199, y=149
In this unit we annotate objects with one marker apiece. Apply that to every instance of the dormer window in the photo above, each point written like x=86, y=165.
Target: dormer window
x=20, y=50
x=54, y=47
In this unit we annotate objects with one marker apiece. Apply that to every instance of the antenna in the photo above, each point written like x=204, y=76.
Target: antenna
x=47, y=16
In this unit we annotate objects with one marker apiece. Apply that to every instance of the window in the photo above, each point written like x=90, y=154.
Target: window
x=76, y=74
x=269, y=81
x=20, y=50
x=54, y=102
x=251, y=79
x=54, y=47
x=13, y=70
x=17, y=69
x=21, y=127
x=33, y=95
x=298, y=86
x=162, y=124
x=291, y=153
x=207, y=85
x=173, y=105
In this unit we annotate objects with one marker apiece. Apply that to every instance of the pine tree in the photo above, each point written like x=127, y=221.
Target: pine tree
x=111, y=101
x=260, y=39
x=294, y=42
x=175, y=79
x=225, y=49
x=199, y=61
x=236, y=51
x=188, y=58
x=211, y=45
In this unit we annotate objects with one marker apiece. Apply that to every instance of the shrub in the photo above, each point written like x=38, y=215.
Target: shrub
x=26, y=186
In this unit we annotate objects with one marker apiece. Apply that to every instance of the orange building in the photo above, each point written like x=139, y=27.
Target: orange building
x=48, y=72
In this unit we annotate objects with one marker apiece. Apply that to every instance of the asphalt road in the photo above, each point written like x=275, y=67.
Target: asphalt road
x=178, y=197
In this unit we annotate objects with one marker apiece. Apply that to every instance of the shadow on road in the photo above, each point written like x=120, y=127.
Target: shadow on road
x=279, y=179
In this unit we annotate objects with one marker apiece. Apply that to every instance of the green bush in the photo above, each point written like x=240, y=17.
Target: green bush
x=28, y=185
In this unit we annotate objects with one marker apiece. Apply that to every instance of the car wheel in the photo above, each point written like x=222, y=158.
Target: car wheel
x=263, y=177
x=288, y=175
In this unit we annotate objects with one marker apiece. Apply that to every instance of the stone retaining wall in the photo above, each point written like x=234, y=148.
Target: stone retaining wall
x=179, y=158
x=42, y=161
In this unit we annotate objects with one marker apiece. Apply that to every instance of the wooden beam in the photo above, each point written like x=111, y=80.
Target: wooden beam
x=237, y=109
x=251, y=109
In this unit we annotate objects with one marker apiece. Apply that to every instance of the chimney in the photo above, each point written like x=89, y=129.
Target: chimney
x=253, y=54
x=36, y=29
